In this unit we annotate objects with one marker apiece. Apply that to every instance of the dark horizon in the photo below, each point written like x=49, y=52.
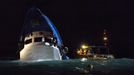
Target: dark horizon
x=76, y=21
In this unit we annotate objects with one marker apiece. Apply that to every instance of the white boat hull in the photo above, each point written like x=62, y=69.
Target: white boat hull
x=39, y=51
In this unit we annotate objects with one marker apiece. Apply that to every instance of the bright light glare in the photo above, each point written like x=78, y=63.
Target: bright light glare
x=84, y=46
x=105, y=38
x=47, y=44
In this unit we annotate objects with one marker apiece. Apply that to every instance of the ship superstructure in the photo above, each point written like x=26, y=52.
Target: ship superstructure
x=94, y=52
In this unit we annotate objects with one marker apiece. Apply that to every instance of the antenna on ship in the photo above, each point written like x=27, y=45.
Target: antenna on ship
x=106, y=39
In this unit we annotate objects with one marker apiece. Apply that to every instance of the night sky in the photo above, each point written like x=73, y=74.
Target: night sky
x=78, y=21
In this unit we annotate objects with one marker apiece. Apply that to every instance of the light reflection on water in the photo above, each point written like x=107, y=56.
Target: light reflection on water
x=69, y=67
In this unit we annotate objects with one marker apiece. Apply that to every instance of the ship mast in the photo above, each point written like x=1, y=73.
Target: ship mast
x=106, y=39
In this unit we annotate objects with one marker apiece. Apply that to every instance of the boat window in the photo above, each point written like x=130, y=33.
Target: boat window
x=28, y=41
x=47, y=39
x=38, y=39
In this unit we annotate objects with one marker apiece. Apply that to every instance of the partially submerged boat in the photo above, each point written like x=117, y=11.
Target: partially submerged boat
x=39, y=39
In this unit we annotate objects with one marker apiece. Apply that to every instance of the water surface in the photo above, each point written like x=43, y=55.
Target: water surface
x=69, y=67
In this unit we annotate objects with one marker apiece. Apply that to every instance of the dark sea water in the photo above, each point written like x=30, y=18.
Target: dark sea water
x=68, y=67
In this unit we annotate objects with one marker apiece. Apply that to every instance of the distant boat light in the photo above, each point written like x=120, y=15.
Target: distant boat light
x=105, y=38
x=84, y=46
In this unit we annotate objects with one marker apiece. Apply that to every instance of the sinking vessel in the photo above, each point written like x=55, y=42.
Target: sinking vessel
x=39, y=38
